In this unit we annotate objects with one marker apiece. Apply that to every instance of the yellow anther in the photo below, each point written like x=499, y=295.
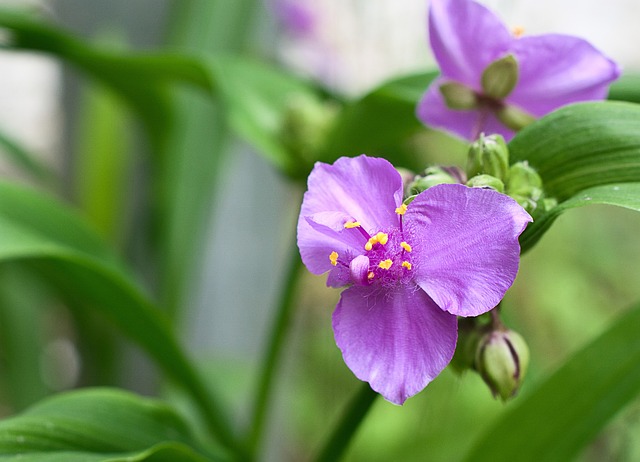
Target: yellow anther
x=406, y=264
x=405, y=246
x=380, y=238
x=385, y=264
x=402, y=209
x=517, y=31
x=370, y=275
x=333, y=258
x=352, y=224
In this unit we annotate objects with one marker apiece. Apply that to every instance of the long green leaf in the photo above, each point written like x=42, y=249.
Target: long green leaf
x=582, y=145
x=98, y=421
x=625, y=195
x=36, y=229
x=567, y=411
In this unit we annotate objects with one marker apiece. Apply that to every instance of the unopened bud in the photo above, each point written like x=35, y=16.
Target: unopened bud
x=490, y=155
x=486, y=181
x=458, y=96
x=433, y=176
x=502, y=359
x=524, y=185
x=500, y=77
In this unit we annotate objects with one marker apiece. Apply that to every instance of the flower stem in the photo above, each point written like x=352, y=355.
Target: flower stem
x=339, y=440
x=272, y=356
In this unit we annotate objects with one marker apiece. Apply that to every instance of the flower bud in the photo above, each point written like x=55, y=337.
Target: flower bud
x=524, y=185
x=305, y=124
x=490, y=155
x=500, y=77
x=433, y=176
x=458, y=96
x=502, y=359
x=486, y=181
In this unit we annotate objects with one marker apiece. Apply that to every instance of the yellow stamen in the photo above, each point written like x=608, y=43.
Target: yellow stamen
x=380, y=238
x=385, y=264
x=333, y=258
x=370, y=275
x=517, y=31
x=402, y=209
x=405, y=246
x=406, y=264
x=352, y=224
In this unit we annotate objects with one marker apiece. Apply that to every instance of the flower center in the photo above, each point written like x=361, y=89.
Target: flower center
x=385, y=258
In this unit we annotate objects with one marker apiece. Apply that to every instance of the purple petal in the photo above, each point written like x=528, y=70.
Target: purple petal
x=364, y=188
x=465, y=37
x=397, y=341
x=433, y=111
x=556, y=70
x=465, y=246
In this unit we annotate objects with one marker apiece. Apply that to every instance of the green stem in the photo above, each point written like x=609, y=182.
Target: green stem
x=342, y=434
x=273, y=352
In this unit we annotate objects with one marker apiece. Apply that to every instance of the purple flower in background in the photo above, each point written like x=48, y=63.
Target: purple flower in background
x=492, y=81
x=410, y=270
x=296, y=18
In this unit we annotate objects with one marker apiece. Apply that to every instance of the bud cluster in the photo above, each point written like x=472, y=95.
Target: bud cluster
x=488, y=167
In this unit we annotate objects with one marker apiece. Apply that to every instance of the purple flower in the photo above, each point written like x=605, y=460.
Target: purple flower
x=410, y=270
x=550, y=71
x=297, y=19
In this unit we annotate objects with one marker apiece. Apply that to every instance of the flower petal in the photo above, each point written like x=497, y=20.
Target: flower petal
x=465, y=246
x=397, y=341
x=433, y=111
x=466, y=37
x=364, y=188
x=558, y=69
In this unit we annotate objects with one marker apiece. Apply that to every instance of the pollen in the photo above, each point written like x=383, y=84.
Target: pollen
x=352, y=224
x=406, y=264
x=402, y=209
x=517, y=31
x=370, y=275
x=333, y=258
x=405, y=246
x=385, y=264
x=380, y=238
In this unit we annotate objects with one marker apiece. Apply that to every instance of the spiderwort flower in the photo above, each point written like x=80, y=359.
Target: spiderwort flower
x=409, y=270
x=494, y=82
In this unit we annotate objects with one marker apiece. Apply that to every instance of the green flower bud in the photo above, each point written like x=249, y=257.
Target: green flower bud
x=524, y=185
x=490, y=155
x=500, y=78
x=468, y=337
x=433, y=176
x=502, y=359
x=458, y=96
x=305, y=124
x=486, y=181
x=514, y=117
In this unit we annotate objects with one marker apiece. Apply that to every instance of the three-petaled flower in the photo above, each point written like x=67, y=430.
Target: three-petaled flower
x=494, y=82
x=410, y=270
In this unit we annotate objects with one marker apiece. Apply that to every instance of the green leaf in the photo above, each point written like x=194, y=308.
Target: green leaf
x=256, y=98
x=625, y=195
x=381, y=123
x=27, y=162
x=564, y=413
x=582, y=145
x=105, y=421
x=626, y=88
x=56, y=242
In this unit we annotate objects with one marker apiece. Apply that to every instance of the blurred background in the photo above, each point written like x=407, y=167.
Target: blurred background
x=570, y=286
